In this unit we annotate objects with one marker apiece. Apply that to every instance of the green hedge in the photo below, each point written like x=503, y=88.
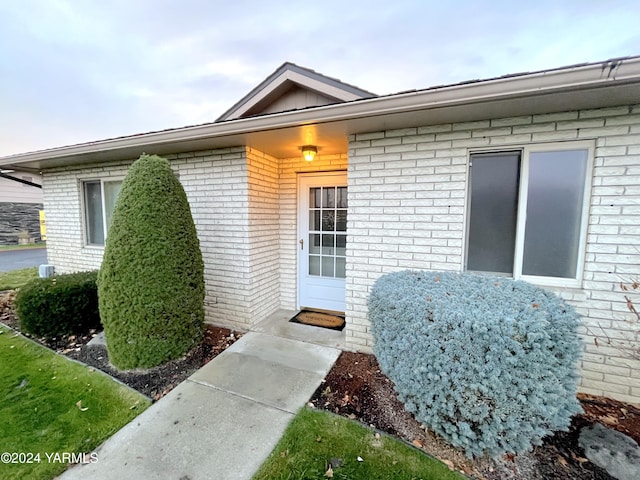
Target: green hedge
x=151, y=282
x=59, y=305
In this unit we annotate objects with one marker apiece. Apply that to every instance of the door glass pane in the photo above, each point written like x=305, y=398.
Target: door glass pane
x=327, y=245
x=111, y=191
x=314, y=198
x=329, y=197
x=314, y=265
x=341, y=271
x=314, y=243
x=327, y=267
x=554, y=213
x=341, y=245
x=341, y=220
x=493, y=212
x=342, y=197
x=93, y=213
x=314, y=220
x=328, y=220
x=327, y=214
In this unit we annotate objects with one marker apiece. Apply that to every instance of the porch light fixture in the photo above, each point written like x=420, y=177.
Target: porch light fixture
x=309, y=152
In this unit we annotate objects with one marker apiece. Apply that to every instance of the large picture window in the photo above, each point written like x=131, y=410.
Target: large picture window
x=99, y=200
x=528, y=212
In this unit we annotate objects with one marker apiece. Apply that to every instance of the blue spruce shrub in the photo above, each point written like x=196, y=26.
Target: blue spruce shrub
x=488, y=363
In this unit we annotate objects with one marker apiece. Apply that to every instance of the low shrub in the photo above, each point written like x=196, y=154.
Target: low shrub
x=59, y=305
x=488, y=363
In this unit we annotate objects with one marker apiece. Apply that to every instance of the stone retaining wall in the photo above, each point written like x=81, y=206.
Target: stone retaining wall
x=17, y=217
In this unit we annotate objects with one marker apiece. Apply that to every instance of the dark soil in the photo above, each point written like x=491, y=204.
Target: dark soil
x=356, y=388
x=154, y=382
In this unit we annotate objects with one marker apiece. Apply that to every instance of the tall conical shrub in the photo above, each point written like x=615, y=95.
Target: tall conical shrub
x=151, y=282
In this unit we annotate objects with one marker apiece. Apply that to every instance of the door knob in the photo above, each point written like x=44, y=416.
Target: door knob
x=301, y=244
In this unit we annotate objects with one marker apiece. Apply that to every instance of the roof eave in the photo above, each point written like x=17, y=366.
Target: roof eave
x=592, y=76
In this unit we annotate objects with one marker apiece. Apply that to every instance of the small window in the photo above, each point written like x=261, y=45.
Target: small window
x=99, y=201
x=528, y=212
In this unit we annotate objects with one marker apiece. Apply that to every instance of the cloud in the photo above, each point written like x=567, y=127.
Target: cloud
x=80, y=71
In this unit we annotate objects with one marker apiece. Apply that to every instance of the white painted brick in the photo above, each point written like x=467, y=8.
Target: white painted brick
x=472, y=125
x=435, y=128
x=554, y=136
x=555, y=117
x=605, y=112
x=487, y=132
x=503, y=122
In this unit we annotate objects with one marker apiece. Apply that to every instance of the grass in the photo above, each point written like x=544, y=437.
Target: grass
x=17, y=278
x=314, y=438
x=40, y=411
x=29, y=246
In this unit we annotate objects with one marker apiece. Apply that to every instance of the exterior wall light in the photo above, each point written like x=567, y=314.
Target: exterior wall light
x=309, y=152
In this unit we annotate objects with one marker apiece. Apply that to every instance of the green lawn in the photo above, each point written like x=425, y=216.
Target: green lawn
x=315, y=437
x=22, y=247
x=49, y=405
x=17, y=278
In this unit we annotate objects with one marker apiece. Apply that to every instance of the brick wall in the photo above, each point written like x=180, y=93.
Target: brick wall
x=264, y=244
x=407, y=197
x=62, y=191
x=216, y=185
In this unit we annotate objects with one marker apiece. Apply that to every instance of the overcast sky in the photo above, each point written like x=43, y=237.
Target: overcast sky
x=80, y=70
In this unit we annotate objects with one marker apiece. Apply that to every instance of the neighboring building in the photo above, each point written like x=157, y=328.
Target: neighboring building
x=20, y=204
x=534, y=176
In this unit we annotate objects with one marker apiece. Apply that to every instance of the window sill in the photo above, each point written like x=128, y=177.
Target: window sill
x=93, y=247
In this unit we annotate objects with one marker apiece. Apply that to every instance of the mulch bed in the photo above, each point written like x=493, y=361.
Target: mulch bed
x=356, y=388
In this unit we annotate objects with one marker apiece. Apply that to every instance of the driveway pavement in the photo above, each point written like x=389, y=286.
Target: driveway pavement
x=23, y=258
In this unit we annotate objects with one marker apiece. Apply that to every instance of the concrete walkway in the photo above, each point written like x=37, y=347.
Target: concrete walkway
x=223, y=421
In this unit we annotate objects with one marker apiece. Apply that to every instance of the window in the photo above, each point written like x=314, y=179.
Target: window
x=527, y=212
x=99, y=200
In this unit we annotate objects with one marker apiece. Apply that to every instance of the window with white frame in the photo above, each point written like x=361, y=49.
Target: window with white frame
x=99, y=200
x=528, y=212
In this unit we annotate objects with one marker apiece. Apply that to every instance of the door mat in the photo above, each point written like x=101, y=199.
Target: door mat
x=319, y=319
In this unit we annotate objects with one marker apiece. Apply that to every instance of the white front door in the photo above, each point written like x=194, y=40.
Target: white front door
x=322, y=240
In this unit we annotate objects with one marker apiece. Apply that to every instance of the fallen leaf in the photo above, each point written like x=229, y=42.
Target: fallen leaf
x=79, y=405
x=563, y=462
x=579, y=459
x=418, y=443
x=329, y=472
x=449, y=464
x=318, y=439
